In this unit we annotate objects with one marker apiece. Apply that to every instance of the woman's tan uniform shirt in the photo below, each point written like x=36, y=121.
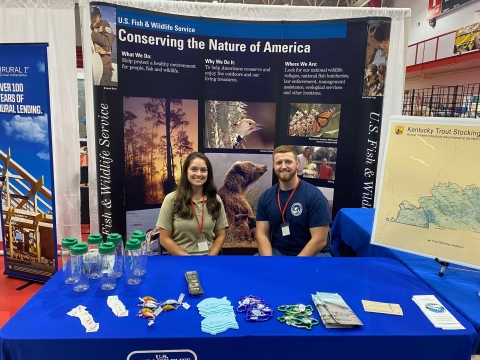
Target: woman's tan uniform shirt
x=185, y=232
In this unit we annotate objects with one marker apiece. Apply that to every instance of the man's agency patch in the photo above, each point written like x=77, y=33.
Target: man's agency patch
x=296, y=209
x=108, y=29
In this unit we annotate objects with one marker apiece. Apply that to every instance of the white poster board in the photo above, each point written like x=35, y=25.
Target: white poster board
x=429, y=195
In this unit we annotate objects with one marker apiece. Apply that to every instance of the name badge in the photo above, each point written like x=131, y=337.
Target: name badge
x=202, y=245
x=285, y=229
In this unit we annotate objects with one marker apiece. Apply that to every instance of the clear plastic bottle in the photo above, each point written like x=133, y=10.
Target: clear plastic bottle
x=141, y=236
x=107, y=258
x=93, y=259
x=67, y=243
x=116, y=239
x=80, y=269
x=133, y=261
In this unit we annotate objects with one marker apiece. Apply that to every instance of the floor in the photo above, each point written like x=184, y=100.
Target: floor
x=11, y=297
x=14, y=292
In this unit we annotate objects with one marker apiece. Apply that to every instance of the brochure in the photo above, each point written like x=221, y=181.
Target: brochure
x=436, y=312
x=334, y=311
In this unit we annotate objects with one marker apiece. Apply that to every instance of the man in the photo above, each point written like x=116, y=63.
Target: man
x=382, y=35
x=103, y=38
x=294, y=212
x=325, y=172
x=302, y=160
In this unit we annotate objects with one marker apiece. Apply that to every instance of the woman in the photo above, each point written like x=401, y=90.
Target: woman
x=192, y=219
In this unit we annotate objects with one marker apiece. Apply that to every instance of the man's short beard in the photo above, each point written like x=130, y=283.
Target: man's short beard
x=289, y=175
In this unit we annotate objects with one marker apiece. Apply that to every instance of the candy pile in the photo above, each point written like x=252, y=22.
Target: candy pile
x=85, y=318
x=117, y=306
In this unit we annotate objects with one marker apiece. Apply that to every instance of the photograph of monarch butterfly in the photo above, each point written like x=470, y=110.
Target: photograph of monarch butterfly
x=314, y=120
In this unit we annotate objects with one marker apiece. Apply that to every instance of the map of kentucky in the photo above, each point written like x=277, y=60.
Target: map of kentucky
x=449, y=207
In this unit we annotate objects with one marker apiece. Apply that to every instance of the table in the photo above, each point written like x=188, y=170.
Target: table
x=460, y=289
x=42, y=330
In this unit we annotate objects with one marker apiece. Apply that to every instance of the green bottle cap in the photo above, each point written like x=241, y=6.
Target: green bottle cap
x=107, y=248
x=95, y=239
x=114, y=238
x=133, y=244
x=67, y=243
x=79, y=249
x=140, y=235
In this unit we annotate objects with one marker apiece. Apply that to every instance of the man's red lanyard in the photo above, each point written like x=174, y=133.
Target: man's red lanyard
x=200, y=226
x=285, y=207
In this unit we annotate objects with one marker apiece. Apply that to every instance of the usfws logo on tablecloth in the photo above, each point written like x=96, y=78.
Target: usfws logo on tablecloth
x=162, y=355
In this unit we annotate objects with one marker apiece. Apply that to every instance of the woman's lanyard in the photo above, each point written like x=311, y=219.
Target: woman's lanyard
x=284, y=226
x=200, y=226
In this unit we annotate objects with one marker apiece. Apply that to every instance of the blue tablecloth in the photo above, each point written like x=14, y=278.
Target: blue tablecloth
x=42, y=330
x=458, y=288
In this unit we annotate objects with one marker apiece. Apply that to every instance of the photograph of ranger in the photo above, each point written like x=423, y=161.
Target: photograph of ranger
x=102, y=38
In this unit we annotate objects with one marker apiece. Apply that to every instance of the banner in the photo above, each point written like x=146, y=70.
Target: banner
x=441, y=7
x=429, y=190
x=467, y=38
x=26, y=164
x=233, y=90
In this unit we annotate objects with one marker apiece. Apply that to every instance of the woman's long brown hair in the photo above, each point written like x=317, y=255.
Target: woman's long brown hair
x=182, y=201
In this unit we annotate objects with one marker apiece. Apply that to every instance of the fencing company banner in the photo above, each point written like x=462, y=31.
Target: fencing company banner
x=26, y=165
x=168, y=85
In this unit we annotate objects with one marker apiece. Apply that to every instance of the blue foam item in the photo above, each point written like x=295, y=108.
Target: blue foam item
x=219, y=312
x=219, y=315
x=212, y=302
x=217, y=308
x=218, y=323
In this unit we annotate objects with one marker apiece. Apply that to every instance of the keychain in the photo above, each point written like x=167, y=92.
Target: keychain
x=298, y=316
x=255, y=308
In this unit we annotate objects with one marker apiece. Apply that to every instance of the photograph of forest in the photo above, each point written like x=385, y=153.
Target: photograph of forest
x=159, y=134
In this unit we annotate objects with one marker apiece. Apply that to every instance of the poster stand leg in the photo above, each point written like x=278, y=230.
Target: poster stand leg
x=445, y=266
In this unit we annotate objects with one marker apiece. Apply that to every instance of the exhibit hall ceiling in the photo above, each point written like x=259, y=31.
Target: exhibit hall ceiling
x=343, y=3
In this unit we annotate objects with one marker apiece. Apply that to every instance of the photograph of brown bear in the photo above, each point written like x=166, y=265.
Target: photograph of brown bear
x=241, y=186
